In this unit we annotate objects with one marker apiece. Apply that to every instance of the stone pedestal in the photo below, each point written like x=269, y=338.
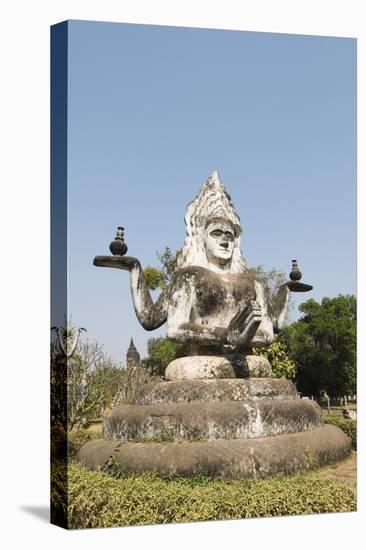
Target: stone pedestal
x=233, y=458
x=203, y=367
x=218, y=412
x=224, y=427
x=209, y=421
x=198, y=367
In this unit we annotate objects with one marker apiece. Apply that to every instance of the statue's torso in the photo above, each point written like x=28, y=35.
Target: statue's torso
x=215, y=298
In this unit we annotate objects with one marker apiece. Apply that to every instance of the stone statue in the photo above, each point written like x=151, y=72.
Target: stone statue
x=213, y=299
x=223, y=412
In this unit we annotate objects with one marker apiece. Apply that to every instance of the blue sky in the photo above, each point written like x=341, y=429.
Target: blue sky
x=154, y=110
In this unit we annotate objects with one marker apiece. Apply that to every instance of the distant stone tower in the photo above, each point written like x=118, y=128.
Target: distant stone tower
x=133, y=356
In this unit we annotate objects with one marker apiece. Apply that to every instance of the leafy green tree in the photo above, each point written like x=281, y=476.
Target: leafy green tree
x=82, y=383
x=167, y=261
x=323, y=346
x=277, y=355
x=107, y=378
x=154, y=278
x=90, y=378
x=161, y=351
x=159, y=277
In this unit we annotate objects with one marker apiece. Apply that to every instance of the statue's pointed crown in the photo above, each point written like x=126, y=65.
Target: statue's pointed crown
x=212, y=201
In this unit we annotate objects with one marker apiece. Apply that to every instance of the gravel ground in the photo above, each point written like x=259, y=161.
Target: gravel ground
x=346, y=470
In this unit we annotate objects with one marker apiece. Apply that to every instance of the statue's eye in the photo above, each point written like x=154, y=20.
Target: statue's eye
x=229, y=236
x=216, y=233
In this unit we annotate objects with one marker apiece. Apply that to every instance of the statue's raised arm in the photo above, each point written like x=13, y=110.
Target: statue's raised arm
x=151, y=315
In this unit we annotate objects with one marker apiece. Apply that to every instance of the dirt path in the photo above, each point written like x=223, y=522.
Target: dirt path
x=346, y=470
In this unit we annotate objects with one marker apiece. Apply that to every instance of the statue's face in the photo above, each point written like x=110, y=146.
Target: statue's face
x=219, y=242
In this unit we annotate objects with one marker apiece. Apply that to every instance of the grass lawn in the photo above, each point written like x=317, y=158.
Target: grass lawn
x=96, y=499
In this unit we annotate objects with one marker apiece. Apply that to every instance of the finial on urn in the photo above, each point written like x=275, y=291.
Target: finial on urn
x=118, y=247
x=295, y=274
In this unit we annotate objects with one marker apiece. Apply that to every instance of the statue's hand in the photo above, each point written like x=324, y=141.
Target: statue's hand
x=297, y=286
x=220, y=333
x=193, y=330
x=244, y=325
x=119, y=262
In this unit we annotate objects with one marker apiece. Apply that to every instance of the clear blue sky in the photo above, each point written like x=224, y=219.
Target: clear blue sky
x=154, y=110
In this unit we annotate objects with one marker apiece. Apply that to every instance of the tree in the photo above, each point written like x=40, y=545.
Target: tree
x=108, y=378
x=131, y=384
x=277, y=355
x=81, y=384
x=323, y=346
x=272, y=282
x=167, y=261
x=159, y=277
x=161, y=351
x=154, y=278
x=88, y=383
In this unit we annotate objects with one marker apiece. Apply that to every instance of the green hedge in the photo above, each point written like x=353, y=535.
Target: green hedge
x=348, y=426
x=99, y=500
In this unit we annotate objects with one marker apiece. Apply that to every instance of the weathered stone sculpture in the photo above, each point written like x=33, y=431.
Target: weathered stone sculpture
x=242, y=421
x=214, y=301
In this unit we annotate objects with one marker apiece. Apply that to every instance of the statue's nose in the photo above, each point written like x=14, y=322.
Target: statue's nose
x=225, y=243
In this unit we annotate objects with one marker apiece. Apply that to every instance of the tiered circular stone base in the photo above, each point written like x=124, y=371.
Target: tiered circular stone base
x=232, y=389
x=207, y=421
x=224, y=427
x=236, y=458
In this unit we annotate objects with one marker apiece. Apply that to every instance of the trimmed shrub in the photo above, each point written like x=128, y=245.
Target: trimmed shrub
x=99, y=500
x=348, y=426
